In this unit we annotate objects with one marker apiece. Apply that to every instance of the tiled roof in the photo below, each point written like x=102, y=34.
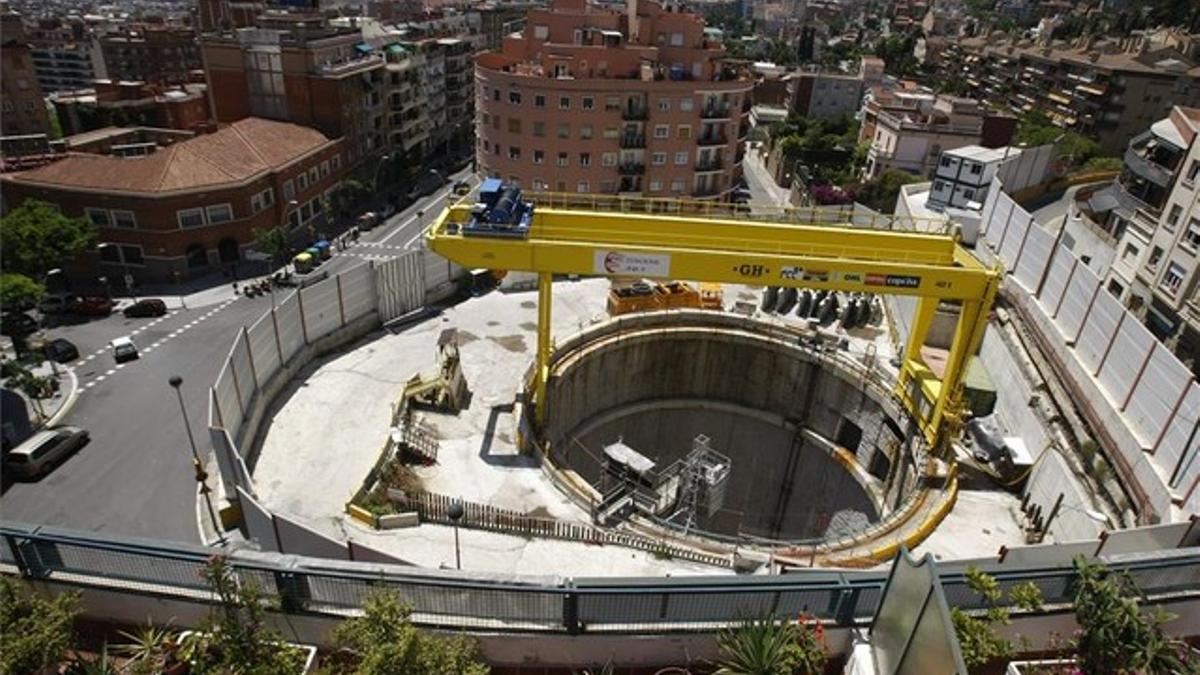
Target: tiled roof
x=235, y=153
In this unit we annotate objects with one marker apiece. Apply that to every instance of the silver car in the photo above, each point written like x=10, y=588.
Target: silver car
x=44, y=449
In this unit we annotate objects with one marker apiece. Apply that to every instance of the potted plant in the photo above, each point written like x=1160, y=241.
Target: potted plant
x=765, y=646
x=151, y=650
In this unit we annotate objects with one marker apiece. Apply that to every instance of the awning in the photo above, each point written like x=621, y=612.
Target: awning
x=1058, y=98
x=1167, y=131
x=397, y=49
x=1095, y=91
x=363, y=48
x=1103, y=201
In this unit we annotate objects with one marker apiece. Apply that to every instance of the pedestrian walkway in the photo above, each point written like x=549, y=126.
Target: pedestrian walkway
x=763, y=189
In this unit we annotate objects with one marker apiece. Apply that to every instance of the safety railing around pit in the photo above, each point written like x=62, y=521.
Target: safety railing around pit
x=527, y=604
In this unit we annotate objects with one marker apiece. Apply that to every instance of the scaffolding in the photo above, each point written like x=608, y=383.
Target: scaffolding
x=701, y=479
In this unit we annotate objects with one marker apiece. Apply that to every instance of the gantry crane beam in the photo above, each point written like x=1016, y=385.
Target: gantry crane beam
x=932, y=267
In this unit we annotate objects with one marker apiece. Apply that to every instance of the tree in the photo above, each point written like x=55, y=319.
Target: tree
x=880, y=194
x=34, y=632
x=36, y=238
x=18, y=290
x=273, y=241
x=383, y=641
x=1036, y=129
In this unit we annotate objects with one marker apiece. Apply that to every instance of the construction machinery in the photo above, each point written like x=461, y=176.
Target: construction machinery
x=447, y=391
x=644, y=296
x=806, y=248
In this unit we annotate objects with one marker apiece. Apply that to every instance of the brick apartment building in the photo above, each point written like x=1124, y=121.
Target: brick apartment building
x=66, y=54
x=158, y=53
x=22, y=110
x=191, y=206
x=595, y=100
x=109, y=103
x=1109, y=89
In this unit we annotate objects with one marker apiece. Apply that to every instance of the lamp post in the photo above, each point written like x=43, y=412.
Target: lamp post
x=201, y=476
x=375, y=178
x=456, y=513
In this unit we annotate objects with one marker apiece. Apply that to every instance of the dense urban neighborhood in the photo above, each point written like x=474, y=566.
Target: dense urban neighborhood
x=663, y=337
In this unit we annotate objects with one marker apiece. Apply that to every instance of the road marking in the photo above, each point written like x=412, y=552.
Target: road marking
x=111, y=371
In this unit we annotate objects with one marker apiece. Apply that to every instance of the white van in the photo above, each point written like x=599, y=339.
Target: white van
x=44, y=449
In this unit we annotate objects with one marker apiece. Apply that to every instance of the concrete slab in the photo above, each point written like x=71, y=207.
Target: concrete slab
x=981, y=522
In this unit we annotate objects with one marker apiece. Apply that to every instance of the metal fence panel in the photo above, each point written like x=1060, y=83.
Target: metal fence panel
x=1098, y=331
x=1019, y=223
x=259, y=525
x=264, y=348
x=1151, y=538
x=242, y=372
x=989, y=207
x=1076, y=301
x=116, y=563
x=1056, y=279
x=322, y=315
x=1036, y=256
x=298, y=539
x=291, y=334
x=227, y=400
x=400, y=285
x=1124, y=366
x=358, y=292
x=1174, y=449
x=1157, y=394
x=999, y=222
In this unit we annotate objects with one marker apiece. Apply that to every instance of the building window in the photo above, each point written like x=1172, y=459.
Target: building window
x=325, y=169
x=686, y=104
x=495, y=94
x=658, y=159
x=495, y=121
x=612, y=131
x=589, y=103
x=585, y=131
x=98, y=217
x=539, y=157
x=609, y=159
x=685, y=131
x=676, y=39
x=124, y=219
x=514, y=125
x=585, y=159
x=219, y=213
x=539, y=185
x=656, y=186
x=564, y=102
x=662, y=131
x=289, y=190
x=539, y=101
x=664, y=104
x=1173, y=277
x=945, y=161
x=514, y=152
x=539, y=129
x=262, y=200
x=335, y=162
x=1193, y=170
x=1155, y=256
x=563, y=159
x=302, y=181
x=938, y=186
x=314, y=175
x=564, y=130
x=132, y=255
x=681, y=159
x=582, y=186
x=678, y=186
x=541, y=32
x=1173, y=216
x=1191, y=237
x=968, y=194
x=1115, y=288
x=976, y=169
x=612, y=104
x=190, y=218
x=1131, y=251
x=514, y=97
x=608, y=186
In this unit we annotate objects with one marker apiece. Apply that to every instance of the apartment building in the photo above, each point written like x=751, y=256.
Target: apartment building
x=823, y=93
x=183, y=209
x=66, y=54
x=1108, y=89
x=159, y=53
x=638, y=101
x=298, y=68
x=108, y=103
x=909, y=130
x=964, y=175
x=214, y=15
x=22, y=110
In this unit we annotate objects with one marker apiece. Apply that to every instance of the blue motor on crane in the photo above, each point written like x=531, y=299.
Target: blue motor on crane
x=500, y=211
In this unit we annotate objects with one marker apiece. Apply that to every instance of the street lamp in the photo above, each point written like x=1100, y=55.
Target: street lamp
x=375, y=179
x=456, y=513
x=201, y=476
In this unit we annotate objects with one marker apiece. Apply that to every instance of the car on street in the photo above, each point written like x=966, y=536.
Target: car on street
x=368, y=221
x=462, y=187
x=123, y=349
x=55, y=304
x=17, y=323
x=41, y=451
x=91, y=306
x=144, y=308
x=60, y=350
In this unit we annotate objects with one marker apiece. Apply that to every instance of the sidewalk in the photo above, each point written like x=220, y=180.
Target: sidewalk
x=763, y=190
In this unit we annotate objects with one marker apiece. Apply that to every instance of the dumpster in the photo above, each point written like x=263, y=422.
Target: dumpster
x=303, y=263
x=323, y=249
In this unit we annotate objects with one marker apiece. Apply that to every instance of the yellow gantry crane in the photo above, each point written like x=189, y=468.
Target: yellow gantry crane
x=669, y=239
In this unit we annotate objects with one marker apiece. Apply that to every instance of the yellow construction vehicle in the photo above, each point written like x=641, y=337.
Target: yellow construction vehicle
x=446, y=391
x=674, y=239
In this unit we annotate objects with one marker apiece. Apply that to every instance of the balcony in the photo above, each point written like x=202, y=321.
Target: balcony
x=633, y=184
x=631, y=169
x=710, y=164
x=635, y=113
x=631, y=141
x=1147, y=169
x=711, y=139
x=715, y=111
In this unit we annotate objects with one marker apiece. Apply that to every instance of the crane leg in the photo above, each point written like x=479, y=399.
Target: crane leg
x=542, y=371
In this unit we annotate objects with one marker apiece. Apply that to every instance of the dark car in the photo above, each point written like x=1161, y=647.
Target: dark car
x=17, y=323
x=60, y=350
x=91, y=306
x=146, y=307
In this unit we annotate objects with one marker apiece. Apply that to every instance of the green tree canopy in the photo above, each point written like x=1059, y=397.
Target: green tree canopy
x=272, y=241
x=880, y=194
x=1036, y=129
x=36, y=238
x=18, y=289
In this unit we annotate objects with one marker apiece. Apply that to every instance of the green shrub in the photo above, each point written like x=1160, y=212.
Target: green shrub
x=34, y=632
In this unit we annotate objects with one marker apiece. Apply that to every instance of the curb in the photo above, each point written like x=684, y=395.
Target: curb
x=67, y=404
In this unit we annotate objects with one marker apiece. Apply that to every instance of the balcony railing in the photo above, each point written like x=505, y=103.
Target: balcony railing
x=714, y=111
x=1147, y=169
x=631, y=169
x=631, y=185
x=712, y=139
x=635, y=113
x=633, y=141
x=714, y=164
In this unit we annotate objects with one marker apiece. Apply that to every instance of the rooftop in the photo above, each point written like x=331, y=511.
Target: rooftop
x=237, y=152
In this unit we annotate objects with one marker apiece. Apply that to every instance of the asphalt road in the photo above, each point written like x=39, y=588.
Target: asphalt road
x=135, y=477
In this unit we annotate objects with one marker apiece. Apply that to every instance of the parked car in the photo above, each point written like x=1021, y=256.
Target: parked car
x=40, y=452
x=368, y=221
x=387, y=211
x=123, y=349
x=60, y=350
x=17, y=323
x=91, y=306
x=55, y=304
x=145, y=307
